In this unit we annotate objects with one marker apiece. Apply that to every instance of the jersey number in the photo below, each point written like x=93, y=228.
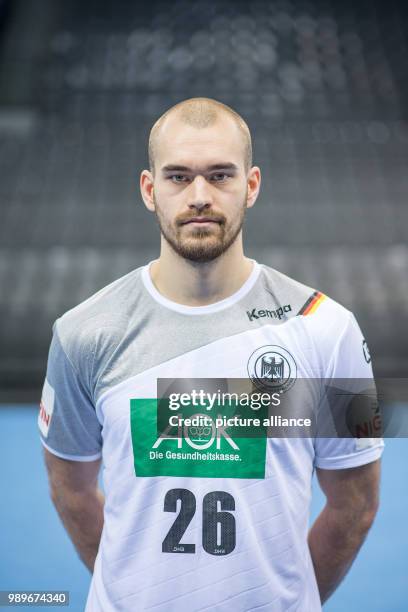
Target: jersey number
x=218, y=534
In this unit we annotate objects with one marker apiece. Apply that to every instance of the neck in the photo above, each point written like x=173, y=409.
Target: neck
x=199, y=284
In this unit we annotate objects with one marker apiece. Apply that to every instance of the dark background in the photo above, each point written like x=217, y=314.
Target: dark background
x=323, y=87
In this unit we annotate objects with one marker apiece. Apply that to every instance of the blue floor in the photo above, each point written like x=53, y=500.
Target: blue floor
x=37, y=554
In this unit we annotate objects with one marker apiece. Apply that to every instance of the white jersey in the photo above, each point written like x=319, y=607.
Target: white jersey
x=198, y=523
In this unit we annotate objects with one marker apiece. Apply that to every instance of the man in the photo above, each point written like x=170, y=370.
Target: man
x=183, y=527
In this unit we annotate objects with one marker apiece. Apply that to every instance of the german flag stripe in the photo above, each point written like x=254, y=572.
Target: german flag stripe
x=312, y=304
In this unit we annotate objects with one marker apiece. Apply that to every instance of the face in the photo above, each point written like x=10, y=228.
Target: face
x=200, y=190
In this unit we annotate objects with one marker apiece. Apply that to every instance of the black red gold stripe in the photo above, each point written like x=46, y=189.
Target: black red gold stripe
x=312, y=304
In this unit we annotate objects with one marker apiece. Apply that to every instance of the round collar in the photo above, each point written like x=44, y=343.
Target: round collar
x=198, y=310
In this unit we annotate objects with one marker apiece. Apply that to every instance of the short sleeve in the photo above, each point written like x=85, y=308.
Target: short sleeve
x=67, y=421
x=349, y=370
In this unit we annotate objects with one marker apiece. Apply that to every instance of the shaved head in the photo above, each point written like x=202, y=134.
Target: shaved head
x=200, y=113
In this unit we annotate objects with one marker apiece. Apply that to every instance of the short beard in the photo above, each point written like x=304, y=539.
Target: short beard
x=197, y=249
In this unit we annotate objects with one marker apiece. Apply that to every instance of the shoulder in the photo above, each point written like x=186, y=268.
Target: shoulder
x=328, y=328
x=102, y=317
x=336, y=345
x=305, y=301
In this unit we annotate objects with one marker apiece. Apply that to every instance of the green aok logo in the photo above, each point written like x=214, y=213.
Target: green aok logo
x=192, y=450
x=199, y=432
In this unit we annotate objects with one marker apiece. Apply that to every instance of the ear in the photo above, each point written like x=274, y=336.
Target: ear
x=253, y=185
x=146, y=189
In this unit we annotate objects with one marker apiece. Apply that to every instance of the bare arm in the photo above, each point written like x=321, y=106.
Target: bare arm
x=339, y=531
x=79, y=502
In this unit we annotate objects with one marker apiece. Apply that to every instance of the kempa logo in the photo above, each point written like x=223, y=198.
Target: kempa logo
x=272, y=314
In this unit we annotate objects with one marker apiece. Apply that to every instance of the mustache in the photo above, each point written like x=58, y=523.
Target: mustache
x=182, y=219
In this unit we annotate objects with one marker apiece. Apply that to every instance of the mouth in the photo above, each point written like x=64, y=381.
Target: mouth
x=200, y=221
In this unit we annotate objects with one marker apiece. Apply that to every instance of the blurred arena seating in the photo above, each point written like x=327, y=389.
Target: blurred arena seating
x=323, y=87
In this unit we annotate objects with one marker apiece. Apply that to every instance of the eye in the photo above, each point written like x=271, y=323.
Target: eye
x=219, y=177
x=178, y=178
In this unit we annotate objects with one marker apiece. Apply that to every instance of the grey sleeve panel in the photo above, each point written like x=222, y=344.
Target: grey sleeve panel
x=74, y=431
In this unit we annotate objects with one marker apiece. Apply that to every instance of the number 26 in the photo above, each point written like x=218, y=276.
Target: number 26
x=218, y=529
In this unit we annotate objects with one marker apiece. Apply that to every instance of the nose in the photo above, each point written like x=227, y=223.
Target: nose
x=200, y=196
